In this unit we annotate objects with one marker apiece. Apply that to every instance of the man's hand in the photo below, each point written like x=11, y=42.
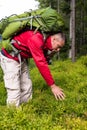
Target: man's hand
x=58, y=92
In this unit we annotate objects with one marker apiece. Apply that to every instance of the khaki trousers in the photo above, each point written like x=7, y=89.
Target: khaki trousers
x=18, y=85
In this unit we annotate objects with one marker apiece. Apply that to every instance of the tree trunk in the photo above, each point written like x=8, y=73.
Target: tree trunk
x=58, y=53
x=58, y=6
x=72, y=29
x=84, y=23
x=70, y=36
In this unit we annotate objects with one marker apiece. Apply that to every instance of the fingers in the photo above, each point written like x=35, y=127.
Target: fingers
x=60, y=96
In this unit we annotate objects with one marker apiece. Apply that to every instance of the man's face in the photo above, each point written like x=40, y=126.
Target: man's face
x=57, y=42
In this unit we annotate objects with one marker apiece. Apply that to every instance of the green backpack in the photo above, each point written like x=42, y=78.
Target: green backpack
x=46, y=20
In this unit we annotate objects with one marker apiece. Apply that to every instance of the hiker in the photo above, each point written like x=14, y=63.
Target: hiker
x=29, y=44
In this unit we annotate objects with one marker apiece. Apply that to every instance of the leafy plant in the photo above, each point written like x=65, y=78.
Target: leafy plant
x=43, y=112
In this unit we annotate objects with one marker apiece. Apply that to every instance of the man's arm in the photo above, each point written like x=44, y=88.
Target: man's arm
x=35, y=46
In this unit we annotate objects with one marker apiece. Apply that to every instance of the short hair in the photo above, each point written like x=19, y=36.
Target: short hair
x=62, y=35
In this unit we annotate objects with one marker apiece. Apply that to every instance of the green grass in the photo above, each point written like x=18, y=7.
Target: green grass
x=43, y=112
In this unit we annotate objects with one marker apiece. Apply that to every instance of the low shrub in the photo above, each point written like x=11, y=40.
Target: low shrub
x=43, y=112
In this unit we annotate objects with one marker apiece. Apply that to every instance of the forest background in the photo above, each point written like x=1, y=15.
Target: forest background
x=74, y=13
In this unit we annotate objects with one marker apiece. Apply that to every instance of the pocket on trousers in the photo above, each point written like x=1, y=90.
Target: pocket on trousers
x=12, y=81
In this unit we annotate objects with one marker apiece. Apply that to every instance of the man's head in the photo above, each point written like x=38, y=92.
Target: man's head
x=58, y=41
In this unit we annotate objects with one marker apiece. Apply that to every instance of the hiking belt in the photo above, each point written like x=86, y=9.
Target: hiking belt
x=14, y=52
x=17, y=53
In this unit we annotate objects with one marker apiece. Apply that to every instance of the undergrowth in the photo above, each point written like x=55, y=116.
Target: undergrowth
x=43, y=112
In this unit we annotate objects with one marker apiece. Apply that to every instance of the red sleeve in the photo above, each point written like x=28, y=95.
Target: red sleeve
x=35, y=45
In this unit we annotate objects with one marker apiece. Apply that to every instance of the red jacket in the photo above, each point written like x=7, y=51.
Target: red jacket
x=33, y=46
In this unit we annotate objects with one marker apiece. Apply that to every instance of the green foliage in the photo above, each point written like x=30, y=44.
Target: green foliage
x=82, y=50
x=43, y=112
x=65, y=6
x=46, y=3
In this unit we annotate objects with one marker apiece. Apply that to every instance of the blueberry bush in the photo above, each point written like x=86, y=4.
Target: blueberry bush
x=43, y=112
